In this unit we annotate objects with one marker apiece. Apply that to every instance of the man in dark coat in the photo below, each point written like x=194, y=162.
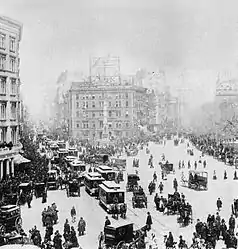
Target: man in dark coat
x=232, y=224
x=149, y=221
x=219, y=204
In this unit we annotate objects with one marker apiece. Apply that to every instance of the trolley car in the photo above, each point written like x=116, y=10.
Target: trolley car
x=107, y=172
x=92, y=181
x=110, y=193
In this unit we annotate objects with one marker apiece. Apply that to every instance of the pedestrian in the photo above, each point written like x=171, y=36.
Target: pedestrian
x=175, y=183
x=57, y=240
x=81, y=226
x=232, y=224
x=100, y=240
x=149, y=221
x=214, y=175
x=235, y=176
x=73, y=214
x=161, y=187
x=219, y=204
x=28, y=200
x=189, y=164
x=107, y=222
x=44, y=197
x=225, y=175
x=204, y=164
x=195, y=165
x=73, y=238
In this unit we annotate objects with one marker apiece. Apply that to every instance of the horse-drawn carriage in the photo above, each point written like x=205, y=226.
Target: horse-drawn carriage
x=73, y=188
x=121, y=235
x=139, y=199
x=10, y=219
x=39, y=188
x=132, y=182
x=197, y=180
x=167, y=167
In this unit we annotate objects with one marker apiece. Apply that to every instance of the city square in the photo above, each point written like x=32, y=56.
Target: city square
x=118, y=124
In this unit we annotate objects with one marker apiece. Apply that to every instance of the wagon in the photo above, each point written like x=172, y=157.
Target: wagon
x=10, y=219
x=197, y=180
x=132, y=182
x=121, y=235
x=139, y=199
x=167, y=167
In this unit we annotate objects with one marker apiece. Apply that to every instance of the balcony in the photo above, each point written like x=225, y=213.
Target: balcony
x=7, y=152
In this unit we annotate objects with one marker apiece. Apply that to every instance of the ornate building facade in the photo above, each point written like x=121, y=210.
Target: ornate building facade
x=10, y=102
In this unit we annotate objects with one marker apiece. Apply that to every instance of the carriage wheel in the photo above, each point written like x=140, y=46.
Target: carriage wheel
x=18, y=223
x=120, y=245
x=2, y=229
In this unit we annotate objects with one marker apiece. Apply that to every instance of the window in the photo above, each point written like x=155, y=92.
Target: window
x=78, y=125
x=12, y=44
x=101, y=103
x=109, y=125
x=3, y=83
x=93, y=125
x=86, y=104
x=116, y=103
x=127, y=125
x=2, y=41
x=127, y=103
x=3, y=134
x=118, y=113
x=77, y=114
x=77, y=96
x=110, y=113
x=93, y=104
x=101, y=114
x=13, y=110
x=109, y=103
x=12, y=64
x=101, y=124
x=126, y=95
x=86, y=96
x=2, y=61
x=85, y=125
x=13, y=86
x=119, y=103
x=86, y=114
x=14, y=135
x=93, y=115
x=77, y=104
x=127, y=114
x=93, y=97
x=3, y=110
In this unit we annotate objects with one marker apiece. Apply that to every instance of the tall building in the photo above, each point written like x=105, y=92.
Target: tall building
x=97, y=111
x=10, y=102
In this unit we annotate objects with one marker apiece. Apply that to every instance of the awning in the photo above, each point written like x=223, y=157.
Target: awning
x=18, y=159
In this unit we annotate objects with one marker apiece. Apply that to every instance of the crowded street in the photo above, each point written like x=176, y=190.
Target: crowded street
x=203, y=202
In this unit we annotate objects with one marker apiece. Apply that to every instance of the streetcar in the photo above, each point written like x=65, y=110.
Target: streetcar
x=92, y=181
x=107, y=172
x=73, y=152
x=62, y=153
x=78, y=166
x=110, y=193
x=53, y=181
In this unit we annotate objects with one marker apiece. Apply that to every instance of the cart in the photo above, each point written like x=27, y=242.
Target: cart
x=132, y=182
x=10, y=219
x=121, y=235
x=139, y=199
x=167, y=167
x=198, y=180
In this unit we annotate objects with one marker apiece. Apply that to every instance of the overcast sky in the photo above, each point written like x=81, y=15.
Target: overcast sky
x=174, y=34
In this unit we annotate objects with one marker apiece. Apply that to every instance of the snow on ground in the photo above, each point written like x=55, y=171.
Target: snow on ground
x=203, y=202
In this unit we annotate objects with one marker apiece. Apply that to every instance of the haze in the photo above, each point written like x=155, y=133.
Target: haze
x=196, y=37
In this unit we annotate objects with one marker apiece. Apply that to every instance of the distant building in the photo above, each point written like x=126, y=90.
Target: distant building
x=104, y=110
x=10, y=102
x=227, y=99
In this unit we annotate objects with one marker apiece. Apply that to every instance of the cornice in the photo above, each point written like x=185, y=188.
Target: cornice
x=12, y=23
